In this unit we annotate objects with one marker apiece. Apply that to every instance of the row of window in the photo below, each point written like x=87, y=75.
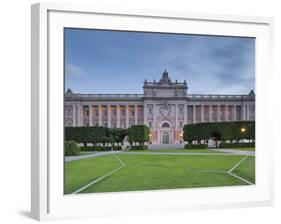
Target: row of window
x=113, y=113
x=113, y=124
x=164, y=125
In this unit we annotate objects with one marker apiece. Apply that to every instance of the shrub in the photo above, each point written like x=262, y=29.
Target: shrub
x=197, y=146
x=96, y=134
x=236, y=145
x=219, y=131
x=139, y=147
x=71, y=148
x=139, y=133
x=100, y=148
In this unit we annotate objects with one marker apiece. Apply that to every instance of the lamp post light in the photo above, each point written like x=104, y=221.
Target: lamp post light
x=243, y=130
x=181, y=136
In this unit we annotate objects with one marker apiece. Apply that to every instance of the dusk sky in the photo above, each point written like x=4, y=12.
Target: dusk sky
x=119, y=62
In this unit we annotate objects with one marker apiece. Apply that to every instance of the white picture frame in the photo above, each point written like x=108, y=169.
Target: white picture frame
x=48, y=201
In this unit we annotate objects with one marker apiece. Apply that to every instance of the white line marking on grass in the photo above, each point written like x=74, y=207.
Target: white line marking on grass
x=236, y=176
x=238, y=164
x=240, y=178
x=99, y=179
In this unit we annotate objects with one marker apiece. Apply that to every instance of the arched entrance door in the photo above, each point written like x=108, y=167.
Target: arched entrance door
x=165, y=138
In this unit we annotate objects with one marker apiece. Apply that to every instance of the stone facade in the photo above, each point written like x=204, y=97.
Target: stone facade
x=165, y=107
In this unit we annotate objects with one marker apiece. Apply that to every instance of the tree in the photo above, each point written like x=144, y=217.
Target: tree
x=226, y=130
x=71, y=148
x=139, y=133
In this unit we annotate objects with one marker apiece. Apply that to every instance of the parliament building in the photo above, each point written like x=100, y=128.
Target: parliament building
x=165, y=107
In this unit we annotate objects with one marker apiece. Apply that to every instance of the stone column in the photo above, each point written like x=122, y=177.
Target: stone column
x=154, y=116
x=79, y=115
x=247, y=112
x=234, y=112
x=226, y=112
x=185, y=114
x=243, y=112
x=210, y=113
x=90, y=115
x=219, y=113
x=176, y=105
x=144, y=114
x=194, y=110
x=74, y=115
x=109, y=116
x=118, y=115
x=136, y=114
x=127, y=116
x=100, y=115
x=202, y=113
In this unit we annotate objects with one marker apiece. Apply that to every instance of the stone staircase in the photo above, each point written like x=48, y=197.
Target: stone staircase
x=166, y=146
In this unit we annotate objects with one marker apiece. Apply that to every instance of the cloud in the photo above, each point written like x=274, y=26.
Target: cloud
x=213, y=65
x=74, y=71
x=209, y=64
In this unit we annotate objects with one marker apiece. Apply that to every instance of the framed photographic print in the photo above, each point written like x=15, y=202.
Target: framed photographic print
x=148, y=111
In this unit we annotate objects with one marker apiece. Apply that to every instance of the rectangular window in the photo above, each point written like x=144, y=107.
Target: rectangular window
x=68, y=111
x=105, y=124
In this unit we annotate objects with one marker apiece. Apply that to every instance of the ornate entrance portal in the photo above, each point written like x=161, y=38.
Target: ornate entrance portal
x=165, y=138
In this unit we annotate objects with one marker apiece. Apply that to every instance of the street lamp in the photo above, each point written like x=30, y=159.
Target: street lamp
x=243, y=131
x=181, y=135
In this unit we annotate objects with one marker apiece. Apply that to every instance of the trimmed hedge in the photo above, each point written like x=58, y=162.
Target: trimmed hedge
x=95, y=134
x=237, y=145
x=71, y=148
x=139, y=147
x=219, y=131
x=101, y=148
x=195, y=146
x=139, y=133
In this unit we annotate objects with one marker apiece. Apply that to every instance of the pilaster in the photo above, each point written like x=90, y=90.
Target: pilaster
x=136, y=114
x=127, y=116
x=90, y=115
x=118, y=115
x=109, y=115
x=100, y=115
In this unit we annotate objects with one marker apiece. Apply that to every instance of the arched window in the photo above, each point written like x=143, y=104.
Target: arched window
x=165, y=125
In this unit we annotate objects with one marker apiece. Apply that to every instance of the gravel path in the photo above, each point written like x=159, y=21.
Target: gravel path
x=236, y=152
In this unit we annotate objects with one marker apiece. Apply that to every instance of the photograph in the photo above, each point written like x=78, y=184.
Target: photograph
x=157, y=111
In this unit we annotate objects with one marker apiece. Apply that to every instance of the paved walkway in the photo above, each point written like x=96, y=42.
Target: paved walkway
x=221, y=152
x=94, y=154
x=236, y=152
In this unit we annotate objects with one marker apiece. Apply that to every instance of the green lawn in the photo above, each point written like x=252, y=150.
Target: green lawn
x=175, y=150
x=245, y=149
x=147, y=172
x=247, y=169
